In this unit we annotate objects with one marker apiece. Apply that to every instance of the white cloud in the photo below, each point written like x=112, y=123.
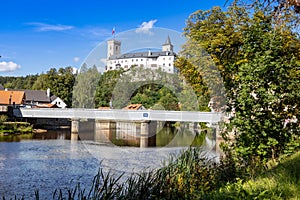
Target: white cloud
x=76, y=59
x=8, y=66
x=49, y=27
x=146, y=26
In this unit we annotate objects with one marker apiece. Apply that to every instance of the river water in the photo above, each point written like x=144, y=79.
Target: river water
x=54, y=162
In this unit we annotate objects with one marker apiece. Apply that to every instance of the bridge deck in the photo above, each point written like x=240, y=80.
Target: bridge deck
x=120, y=115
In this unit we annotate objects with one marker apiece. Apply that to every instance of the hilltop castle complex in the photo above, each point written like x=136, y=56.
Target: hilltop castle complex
x=163, y=59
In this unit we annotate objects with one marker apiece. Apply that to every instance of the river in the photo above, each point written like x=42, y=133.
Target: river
x=52, y=161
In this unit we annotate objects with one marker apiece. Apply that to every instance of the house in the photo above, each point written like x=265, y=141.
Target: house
x=42, y=99
x=16, y=98
x=134, y=107
x=58, y=102
x=163, y=59
x=35, y=97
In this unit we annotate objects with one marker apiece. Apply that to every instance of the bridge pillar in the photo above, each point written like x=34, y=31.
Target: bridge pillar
x=74, y=129
x=148, y=134
x=104, y=130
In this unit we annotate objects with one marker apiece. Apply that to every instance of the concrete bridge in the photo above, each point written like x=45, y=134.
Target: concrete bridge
x=145, y=117
x=120, y=115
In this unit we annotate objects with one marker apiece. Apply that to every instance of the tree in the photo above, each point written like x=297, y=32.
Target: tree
x=105, y=87
x=259, y=64
x=60, y=83
x=85, y=87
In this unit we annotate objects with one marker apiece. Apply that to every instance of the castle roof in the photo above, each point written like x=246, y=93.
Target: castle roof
x=148, y=54
x=168, y=41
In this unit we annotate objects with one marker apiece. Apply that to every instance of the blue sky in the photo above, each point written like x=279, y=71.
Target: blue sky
x=37, y=35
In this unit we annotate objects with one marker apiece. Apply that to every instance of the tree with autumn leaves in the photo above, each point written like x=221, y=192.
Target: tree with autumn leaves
x=259, y=63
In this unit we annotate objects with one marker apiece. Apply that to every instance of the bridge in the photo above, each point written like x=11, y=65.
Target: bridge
x=120, y=115
x=147, y=118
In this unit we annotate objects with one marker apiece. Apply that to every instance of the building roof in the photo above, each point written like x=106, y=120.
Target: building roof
x=168, y=41
x=134, y=107
x=104, y=108
x=37, y=96
x=10, y=97
x=148, y=54
x=1, y=87
x=48, y=105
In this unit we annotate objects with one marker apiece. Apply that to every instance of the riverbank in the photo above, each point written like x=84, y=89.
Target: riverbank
x=12, y=128
x=192, y=177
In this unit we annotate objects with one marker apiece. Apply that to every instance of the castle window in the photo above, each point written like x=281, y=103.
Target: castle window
x=137, y=60
x=141, y=59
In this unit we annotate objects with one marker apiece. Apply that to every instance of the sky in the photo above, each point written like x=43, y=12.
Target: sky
x=36, y=35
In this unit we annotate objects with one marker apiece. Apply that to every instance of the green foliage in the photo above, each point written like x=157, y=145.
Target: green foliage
x=152, y=88
x=105, y=87
x=3, y=118
x=18, y=82
x=280, y=182
x=191, y=75
x=15, y=127
x=84, y=90
x=60, y=82
x=260, y=67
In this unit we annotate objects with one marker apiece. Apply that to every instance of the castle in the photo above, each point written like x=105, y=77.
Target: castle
x=163, y=59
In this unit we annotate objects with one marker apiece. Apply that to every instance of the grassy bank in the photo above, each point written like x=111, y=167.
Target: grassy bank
x=8, y=128
x=279, y=182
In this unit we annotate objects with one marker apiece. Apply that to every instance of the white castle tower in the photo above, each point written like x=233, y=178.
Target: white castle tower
x=168, y=45
x=113, y=48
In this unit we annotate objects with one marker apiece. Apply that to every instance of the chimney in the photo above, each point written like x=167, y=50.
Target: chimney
x=48, y=92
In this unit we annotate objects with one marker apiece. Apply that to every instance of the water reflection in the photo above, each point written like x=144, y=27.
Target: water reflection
x=50, y=160
x=45, y=135
x=131, y=134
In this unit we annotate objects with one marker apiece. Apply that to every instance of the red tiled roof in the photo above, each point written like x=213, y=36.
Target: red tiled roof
x=10, y=97
x=133, y=107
